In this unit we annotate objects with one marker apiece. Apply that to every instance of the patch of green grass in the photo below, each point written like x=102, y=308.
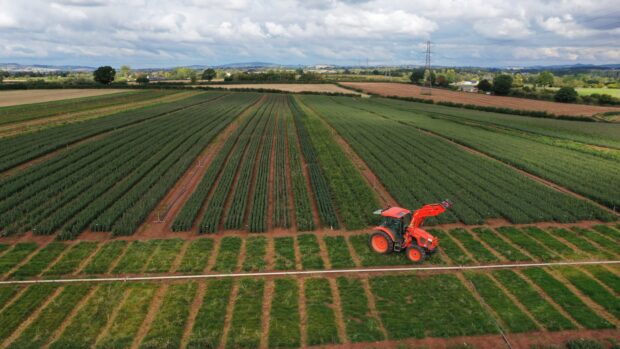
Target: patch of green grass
x=369, y=257
x=284, y=321
x=43, y=327
x=13, y=315
x=246, y=324
x=15, y=255
x=501, y=246
x=6, y=293
x=168, y=326
x=480, y=253
x=130, y=316
x=605, y=242
x=338, y=252
x=228, y=255
x=196, y=256
x=136, y=257
x=542, y=310
x=533, y=247
x=605, y=276
x=551, y=242
x=40, y=261
x=428, y=306
x=321, y=326
x=451, y=248
x=255, y=250
x=209, y=323
x=515, y=319
x=361, y=326
x=310, y=252
x=583, y=343
x=3, y=247
x=90, y=320
x=580, y=242
x=284, y=253
x=71, y=260
x=107, y=254
x=607, y=231
x=566, y=299
x=164, y=256
x=592, y=289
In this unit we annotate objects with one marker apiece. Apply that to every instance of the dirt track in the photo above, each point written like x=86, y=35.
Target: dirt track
x=8, y=98
x=408, y=90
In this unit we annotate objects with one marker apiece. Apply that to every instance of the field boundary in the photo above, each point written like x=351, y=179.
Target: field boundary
x=308, y=272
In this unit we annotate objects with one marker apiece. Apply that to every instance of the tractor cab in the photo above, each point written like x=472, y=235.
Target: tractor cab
x=397, y=220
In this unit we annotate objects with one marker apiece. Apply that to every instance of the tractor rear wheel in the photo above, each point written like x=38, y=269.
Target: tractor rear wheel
x=415, y=254
x=381, y=242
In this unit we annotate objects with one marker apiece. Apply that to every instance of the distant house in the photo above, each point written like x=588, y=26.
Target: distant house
x=466, y=86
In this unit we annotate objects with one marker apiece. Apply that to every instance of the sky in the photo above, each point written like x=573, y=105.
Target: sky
x=157, y=33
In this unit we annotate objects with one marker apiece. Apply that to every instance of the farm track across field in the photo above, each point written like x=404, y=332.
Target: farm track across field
x=300, y=273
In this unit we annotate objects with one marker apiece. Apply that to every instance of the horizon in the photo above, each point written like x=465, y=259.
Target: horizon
x=345, y=33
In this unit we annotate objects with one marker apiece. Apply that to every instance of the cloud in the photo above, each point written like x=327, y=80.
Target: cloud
x=166, y=32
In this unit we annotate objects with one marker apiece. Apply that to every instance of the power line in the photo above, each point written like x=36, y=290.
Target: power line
x=427, y=86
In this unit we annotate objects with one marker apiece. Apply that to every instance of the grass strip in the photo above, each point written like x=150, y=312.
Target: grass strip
x=361, y=326
x=284, y=253
x=255, y=250
x=515, y=319
x=566, y=299
x=480, y=253
x=501, y=246
x=246, y=324
x=167, y=328
x=551, y=242
x=533, y=247
x=310, y=252
x=338, y=252
x=71, y=260
x=90, y=320
x=15, y=255
x=13, y=315
x=592, y=289
x=107, y=254
x=605, y=276
x=135, y=258
x=209, y=323
x=321, y=326
x=284, y=320
x=40, y=261
x=451, y=248
x=228, y=255
x=164, y=256
x=196, y=256
x=39, y=332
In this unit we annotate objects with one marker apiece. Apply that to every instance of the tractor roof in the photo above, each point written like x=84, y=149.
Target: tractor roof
x=395, y=212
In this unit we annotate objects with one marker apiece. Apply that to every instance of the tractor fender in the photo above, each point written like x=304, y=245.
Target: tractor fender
x=387, y=231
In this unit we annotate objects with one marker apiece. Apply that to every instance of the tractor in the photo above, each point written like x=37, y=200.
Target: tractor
x=400, y=230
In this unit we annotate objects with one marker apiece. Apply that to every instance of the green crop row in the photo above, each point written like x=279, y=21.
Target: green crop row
x=70, y=261
x=228, y=255
x=103, y=259
x=592, y=289
x=15, y=313
x=136, y=257
x=281, y=217
x=16, y=255
x=164, y=256
x=284, y=249
x=527, y=243
x=475, y=248
x=245, y=327
x=498, y=244
x=209, y=323
x=284, y=319
x=255, y=249
x=40, y=261
x=360, y=324
x=321, y=319
x=196, y=256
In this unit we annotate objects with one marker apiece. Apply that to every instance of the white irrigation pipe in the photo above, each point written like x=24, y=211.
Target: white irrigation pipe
x=304, y=272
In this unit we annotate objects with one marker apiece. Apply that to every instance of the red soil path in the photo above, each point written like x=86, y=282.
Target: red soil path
x=409, y=90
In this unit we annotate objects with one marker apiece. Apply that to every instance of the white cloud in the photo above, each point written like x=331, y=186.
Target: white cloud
x=502, y=28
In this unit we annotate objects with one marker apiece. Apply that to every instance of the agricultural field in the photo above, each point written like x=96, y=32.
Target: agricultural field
x=443, y=95
x=154, y=227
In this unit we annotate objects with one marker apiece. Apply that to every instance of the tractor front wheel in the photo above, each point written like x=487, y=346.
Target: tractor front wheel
x=381, y=242
x=415, y=254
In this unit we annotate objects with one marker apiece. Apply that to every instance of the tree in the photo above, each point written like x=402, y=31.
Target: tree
x=565, y=95
x=518, y=80
x=485, y=85
x=417, y=75
x=1, y=76
x=193, y=77
x=125, y=71
x=104, y=75
x=545, y=79
x=502, y=84
x=442, y=81
x=142, y=79
x=208, y=74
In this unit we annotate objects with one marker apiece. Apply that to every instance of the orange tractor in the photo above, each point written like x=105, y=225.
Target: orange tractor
x=400, y=231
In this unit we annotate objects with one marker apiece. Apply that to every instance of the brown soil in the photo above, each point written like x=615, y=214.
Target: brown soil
x=156, y=302
x=38, y=124
x=530, y=175
x=517, y=340
x=291, y=87
x=409, y=90
x=161, y=219
x=8, y=98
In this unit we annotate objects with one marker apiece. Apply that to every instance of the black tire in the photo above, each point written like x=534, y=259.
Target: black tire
x=415, y=253
x=372, y=242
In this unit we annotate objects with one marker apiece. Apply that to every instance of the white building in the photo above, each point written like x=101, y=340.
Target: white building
x=466, y=86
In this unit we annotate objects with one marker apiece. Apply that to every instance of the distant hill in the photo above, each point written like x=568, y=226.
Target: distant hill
x=43, y=68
